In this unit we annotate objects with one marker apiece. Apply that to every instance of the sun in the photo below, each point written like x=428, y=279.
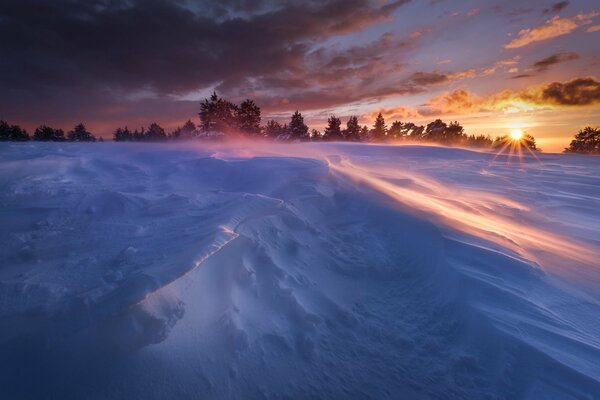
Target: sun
x=516, y=134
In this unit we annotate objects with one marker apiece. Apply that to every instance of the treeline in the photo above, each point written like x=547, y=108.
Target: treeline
x=45, y=134
x=220, y=118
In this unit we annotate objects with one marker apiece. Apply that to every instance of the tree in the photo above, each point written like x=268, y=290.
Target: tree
x=315, y=135
x=587, y=141
x=123, y=135
x=333, y=131
x=219, y=115
x=379, y=129
x=454, y=134
x=297, y=128
x=184, y=132
x=480, y=141
x=47, y=134
x=273, y=129
x=249, y=118
x=155, y=133
x=396, y=131
x=435, y=131
x=12, y=132
x=352, y=131
x=364, y=133
x=80, y=134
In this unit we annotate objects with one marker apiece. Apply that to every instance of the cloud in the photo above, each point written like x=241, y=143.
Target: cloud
x=580, y=92
x=594, y=28
x=459, y=101
x=545, y=63
x=556, y=7
x=500, y=65
x=554, y=27
x=166, y=47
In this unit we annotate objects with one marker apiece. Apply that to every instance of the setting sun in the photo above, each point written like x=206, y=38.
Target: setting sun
x=516, y=134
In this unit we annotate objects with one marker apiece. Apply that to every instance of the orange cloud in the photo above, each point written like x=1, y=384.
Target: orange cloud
x=459, y=101
x=580, y=92
x=554, y=27
x=594, y=28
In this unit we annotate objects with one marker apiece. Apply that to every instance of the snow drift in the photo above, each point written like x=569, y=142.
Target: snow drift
x=299, y=271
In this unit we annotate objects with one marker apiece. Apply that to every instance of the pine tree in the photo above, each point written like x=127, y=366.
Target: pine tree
x=184, y=132
x=218, y=115
x=587, y=141
x=333, y=131
x=249, y=118
x=273, y=129
x=155, y=133
x=47, y=134
x=297, y=128
x=435, y=131
x=12, y=132
x=80, y=134
x=396, y=131
x=352, y=131
x=123, y=135
x=379, y=129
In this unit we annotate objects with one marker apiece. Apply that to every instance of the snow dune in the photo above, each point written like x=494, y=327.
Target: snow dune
x=241, y=270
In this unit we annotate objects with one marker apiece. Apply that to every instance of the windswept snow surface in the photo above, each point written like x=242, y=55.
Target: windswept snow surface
x=238, y=270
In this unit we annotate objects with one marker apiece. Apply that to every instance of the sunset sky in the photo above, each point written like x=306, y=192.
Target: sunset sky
x=492, y=65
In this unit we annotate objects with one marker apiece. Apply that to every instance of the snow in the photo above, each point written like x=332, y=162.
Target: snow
x=329, y=270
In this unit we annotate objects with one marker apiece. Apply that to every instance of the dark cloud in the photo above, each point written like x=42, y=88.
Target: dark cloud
x=578, y=92
x=98, y=47
x=545, y=63
x=556, y=7
x=428, y=78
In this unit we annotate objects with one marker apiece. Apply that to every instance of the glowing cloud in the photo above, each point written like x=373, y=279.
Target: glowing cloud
x=554, y=27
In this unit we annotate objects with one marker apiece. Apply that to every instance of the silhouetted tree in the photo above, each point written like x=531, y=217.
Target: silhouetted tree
x=184, y=132
x=454, y=134
x=47, y=134
x=333, y=131
x=80, y=134
x=379, y=129
x=587, y=141
x=435, y=131
x=219, y=115
x=249, y=118
x=12, y=133
x=273, y=129
x=297, y=128
x=139, y=136
x=352, y=131
x=479, y=141
x=123, y=135
x=155, y=133
x=364, y=133
x=396, y=131
x=315, y=135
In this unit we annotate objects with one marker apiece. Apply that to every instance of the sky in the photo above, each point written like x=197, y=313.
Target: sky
x=491, y=65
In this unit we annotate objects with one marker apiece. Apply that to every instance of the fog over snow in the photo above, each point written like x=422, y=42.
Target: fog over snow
x=255, y=270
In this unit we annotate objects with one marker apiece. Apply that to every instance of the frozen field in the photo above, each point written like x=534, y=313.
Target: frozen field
x=176, y=271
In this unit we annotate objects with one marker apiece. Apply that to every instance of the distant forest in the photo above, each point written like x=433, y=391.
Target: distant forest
x=220, y=118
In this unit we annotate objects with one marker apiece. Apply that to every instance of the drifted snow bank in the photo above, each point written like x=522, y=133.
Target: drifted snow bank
x=297, y=271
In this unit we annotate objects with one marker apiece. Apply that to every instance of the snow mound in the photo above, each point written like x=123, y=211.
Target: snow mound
x=240, y=270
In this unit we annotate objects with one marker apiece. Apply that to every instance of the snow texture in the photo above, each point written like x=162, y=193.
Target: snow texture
x=240, y=270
